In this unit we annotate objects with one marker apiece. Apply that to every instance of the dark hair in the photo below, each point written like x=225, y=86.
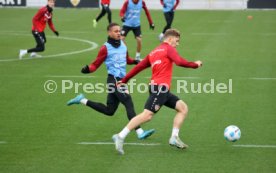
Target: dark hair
x=111, y=25
x=172, y=32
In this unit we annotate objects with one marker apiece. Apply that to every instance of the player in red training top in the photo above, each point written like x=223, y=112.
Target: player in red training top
x=161, y=61
x=43, y=16
x=105, y=9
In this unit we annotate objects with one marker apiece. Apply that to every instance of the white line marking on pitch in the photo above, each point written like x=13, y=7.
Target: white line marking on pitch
x=92, y=46
x=265, y=78
x=111, y=143
x=255, y=146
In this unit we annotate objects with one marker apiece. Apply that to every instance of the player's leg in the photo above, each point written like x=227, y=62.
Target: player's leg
x=111, y=104
x=182, y=110
x=102, y=13
x=125, y=98
x=109, y=14
x=40, y=41
x=138, y=36
x=109, y=109
x=156, y=99
x=124, y=32
x=138, y=120
x=169, y=19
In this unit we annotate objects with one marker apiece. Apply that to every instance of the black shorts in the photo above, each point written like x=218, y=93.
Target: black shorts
x=120, y=93
x=136, y=31
x=159, y=96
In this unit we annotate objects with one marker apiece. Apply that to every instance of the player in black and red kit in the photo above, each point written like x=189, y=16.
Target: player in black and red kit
x=161, y=61
x=105, y=9
x=43, y=16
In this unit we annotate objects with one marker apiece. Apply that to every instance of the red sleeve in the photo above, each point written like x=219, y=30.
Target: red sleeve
x=129, y=60
x=123, y=9
x=51, y=25
x=99, y=60
x=178, y=60
x=176, y=4
x=37, y=17
x=147, y=12
x=162, y=3
x=145, y=63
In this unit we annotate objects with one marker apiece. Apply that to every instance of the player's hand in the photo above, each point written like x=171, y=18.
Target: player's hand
x=137, y=61
x=85, y=69
x=119, y=83
x=152, y=26
x=123, y=19
x=57, y=34
x=199, y=63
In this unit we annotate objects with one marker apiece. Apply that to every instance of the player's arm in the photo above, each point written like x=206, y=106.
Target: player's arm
x=148, y=15
x=145, y=63
x=123, y=11
x=179, y=61
x=176, y=4
x=97, y=63
x=131, y=60
x=52, y=27
x=162, y=3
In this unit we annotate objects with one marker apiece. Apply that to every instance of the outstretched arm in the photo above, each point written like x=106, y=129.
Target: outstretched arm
x=179, y=61
x=145, y=63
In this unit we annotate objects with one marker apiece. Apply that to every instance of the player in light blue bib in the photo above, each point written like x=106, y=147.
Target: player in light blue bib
x=130, y=15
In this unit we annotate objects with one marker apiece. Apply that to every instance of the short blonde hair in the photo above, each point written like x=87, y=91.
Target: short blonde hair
x=172, y=32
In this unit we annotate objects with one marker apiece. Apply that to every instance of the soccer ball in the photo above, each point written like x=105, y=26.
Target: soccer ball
x=232, y=133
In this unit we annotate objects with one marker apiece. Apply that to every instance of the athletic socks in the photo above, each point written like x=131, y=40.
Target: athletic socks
x=175, y=131
x=124, y=133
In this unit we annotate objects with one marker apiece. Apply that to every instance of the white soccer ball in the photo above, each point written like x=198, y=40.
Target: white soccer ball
x=232, y=133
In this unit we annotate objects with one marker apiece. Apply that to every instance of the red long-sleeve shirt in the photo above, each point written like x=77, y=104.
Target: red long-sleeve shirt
x=105, y=2
x=175, y=5
x=102, y=54
x=40, y=19
x=161, y=61
x=124, y=9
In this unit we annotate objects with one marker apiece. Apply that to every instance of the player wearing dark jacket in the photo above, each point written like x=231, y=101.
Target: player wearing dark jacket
x=41, y=18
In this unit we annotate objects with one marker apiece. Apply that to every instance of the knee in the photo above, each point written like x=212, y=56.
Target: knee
x=110, y=111
x=147, y=116
x=182, y=107
x=41, y=48
x=139, y=39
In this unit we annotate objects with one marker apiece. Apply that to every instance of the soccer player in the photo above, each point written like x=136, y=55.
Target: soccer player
x=130, y=15
x=105, y=9
x=161, y=61
x=43, y=16
x=114, y=54
x=168, y=8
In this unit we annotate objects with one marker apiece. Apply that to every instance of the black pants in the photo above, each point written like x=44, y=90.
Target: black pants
x=169, y=19
x=114, y=97
x=105, y=9
x=40, y=42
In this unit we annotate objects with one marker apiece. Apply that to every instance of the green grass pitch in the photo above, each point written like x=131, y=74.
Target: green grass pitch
x=40, y=134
